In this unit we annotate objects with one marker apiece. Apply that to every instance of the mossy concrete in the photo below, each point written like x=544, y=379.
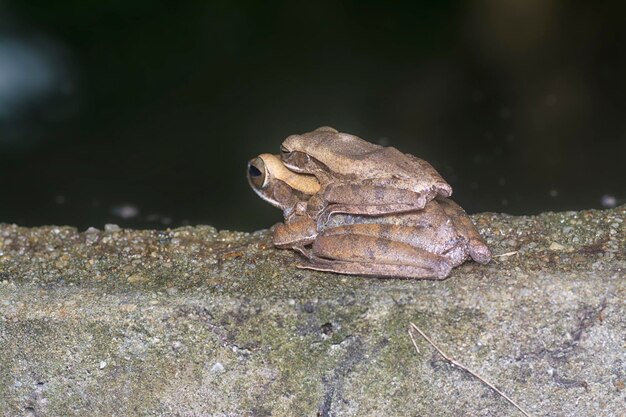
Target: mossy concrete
x=196, y=322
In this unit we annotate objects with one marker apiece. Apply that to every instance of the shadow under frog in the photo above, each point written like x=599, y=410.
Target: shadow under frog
x=424, y=243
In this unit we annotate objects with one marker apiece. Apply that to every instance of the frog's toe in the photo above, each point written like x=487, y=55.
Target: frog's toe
x=479, y=251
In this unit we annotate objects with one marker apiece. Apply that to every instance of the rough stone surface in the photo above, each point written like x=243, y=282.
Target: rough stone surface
x=196, y=322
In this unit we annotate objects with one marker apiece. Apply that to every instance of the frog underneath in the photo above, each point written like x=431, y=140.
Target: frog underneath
x=421, y=243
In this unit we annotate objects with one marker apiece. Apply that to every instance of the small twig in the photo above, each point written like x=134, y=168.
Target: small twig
x=413, y=340
x=458, y=365
x=502, y=255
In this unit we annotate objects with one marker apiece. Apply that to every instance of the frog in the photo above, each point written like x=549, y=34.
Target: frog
x=420, y=244
x=359, y=177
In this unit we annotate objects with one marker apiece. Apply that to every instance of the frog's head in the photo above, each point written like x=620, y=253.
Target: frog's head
x=297, y=150
x=276, y=184
x=325, y=151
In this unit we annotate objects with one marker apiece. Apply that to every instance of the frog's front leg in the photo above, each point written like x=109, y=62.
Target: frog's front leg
x=359, y=254
x=296, y=233
x=367, y=200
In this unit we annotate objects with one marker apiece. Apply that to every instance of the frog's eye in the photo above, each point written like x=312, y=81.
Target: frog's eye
x=284, y=150
x=256, y=172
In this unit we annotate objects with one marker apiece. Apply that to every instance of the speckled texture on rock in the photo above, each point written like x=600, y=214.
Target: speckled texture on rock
x=196, y=322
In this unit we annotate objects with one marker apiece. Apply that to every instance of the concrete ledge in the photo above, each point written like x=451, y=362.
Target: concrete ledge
x=196, y=322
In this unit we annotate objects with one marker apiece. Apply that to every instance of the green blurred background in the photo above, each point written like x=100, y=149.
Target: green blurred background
x=144, y=113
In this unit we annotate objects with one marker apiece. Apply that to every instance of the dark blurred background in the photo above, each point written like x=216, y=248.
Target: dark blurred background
x=144, y=113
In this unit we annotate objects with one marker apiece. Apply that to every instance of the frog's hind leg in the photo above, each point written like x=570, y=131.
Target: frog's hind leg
x=363, y=210
x=370, y=256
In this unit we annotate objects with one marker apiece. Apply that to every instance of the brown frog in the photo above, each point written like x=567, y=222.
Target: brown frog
x=423, y=243
x=359, y=177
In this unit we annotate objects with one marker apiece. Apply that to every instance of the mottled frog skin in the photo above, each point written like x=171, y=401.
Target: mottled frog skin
x=424, y=242
x=360, y=177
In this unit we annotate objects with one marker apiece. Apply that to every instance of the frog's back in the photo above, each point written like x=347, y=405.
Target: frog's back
x=350, y=156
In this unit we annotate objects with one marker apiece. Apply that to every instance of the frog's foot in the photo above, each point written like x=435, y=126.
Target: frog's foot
x=306, y=252
x=376, y=270
x=358, y=254
x=478, y=249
